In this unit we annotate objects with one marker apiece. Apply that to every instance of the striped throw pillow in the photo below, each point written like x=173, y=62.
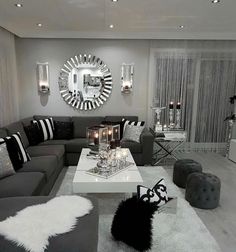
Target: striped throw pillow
x=47, y=128
x=134, y=123
x=16, y=150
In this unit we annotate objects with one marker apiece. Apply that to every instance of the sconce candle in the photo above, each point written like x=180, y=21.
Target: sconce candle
x=43, y=77
x=127, y=72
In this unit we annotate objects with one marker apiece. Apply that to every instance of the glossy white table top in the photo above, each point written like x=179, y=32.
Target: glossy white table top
x=124, y=182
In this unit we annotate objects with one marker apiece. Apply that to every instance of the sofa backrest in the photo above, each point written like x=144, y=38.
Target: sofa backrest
x=27, y=121
x=3, y=132
x=18, y=127
x=119, y=118
x=56, y=118
x=81, y=123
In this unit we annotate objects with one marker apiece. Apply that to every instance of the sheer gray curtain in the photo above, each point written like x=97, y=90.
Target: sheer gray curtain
x=202, y=76
x=8, y=79
x=175, y=82
x=216, y=85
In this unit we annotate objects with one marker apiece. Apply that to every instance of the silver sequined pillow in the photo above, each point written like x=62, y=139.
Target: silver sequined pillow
x=132, y=133
x=6, y=167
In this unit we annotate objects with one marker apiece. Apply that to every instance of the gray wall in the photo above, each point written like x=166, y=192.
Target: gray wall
x=57, y=51
x=8, y=79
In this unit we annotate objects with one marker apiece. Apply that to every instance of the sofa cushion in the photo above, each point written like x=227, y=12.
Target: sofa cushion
x=3, y=133
x=33, y=133
x=84, y=237
x=44, y=164
x=55, y=118
x=55, y=142
x=46, y=150
x=133, y=146
x=22, y=184
x=63, y=130
x=81, y=123
x=6, y=167
x=18, y=127
x=76, y=145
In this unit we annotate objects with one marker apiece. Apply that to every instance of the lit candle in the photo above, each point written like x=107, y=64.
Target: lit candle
x=171, y=105
x=95, y=138
x=109, y=135
x=178, y=106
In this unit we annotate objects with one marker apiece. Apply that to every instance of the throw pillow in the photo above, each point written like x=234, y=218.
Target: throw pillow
x=134, y=123
x=133, y=133
x=47, y=127
x=63, y=130
x=16, y=150
x=6, y=168
x=33, y=134
x=132, y=223
x=157, y=195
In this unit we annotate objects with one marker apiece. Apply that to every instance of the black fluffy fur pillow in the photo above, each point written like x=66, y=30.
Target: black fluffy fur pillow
x=132, y=223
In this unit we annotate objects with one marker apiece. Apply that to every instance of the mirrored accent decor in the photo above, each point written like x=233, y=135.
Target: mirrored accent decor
x=85, y=82
x=43, y=77
x=127, y=74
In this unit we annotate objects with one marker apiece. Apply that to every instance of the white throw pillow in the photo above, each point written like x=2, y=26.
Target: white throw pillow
x=133, y=133
x=6, y=167
x=157, y=194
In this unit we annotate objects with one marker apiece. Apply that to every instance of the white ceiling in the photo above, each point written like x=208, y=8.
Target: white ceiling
x=131, y=19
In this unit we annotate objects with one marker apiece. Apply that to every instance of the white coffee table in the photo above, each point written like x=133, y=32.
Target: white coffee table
x=124, y=182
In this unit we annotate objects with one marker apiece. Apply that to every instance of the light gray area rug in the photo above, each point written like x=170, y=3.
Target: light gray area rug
x=180, y=232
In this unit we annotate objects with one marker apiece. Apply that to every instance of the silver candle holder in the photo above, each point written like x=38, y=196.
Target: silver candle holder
x=178, y=116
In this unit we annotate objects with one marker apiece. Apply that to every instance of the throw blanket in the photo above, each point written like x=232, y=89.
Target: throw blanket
x=32, y=227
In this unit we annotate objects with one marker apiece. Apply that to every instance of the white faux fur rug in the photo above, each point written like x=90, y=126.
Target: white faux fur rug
x=32, y=227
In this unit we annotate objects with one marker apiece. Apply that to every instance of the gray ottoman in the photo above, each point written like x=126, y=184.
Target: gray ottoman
x=182, y=168
x=203, y=190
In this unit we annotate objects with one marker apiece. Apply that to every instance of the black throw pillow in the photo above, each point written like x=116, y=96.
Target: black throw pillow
x=63, y=130
x=33, y=134
x=132, y=223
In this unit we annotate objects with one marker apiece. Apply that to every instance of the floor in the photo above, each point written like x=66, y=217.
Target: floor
x=221, y=222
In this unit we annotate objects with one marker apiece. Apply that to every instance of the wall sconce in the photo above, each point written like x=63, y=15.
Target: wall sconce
x=43, y=77
x=127, y=73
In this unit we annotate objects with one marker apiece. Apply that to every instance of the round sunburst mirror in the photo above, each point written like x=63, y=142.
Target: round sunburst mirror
x=85, y=82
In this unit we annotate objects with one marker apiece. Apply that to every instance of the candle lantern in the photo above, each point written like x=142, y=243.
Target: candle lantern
x=113, y=131
x=97, y=135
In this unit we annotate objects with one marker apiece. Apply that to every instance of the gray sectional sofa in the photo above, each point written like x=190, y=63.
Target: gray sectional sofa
x=38, y=176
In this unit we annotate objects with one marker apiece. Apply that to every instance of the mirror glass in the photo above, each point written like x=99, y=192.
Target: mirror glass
x=85, y=82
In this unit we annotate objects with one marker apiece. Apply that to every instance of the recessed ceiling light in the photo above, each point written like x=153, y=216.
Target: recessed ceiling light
x=111, y=26
x=19, y=5
x=39, y=25
x=215, y=1
x=114, y=1
x=181, y=26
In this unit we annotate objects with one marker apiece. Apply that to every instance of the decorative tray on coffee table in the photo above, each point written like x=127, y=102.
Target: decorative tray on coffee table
x=110, y=171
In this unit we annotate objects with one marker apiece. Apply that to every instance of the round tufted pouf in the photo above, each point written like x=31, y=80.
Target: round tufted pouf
x=203, y=190
x=182, y=168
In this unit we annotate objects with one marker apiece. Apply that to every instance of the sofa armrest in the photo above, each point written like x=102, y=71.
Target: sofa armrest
x=147, y=140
